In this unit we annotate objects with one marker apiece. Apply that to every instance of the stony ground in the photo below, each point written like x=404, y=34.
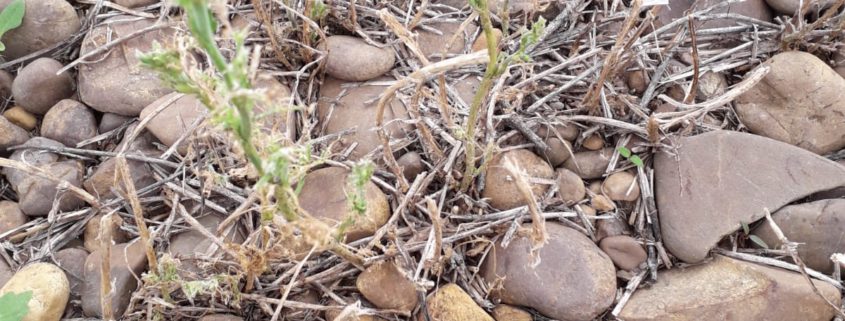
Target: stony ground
x=644, y=162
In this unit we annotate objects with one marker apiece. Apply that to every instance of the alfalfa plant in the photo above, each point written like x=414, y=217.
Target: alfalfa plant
x=226, y=90
x=14, y=306
x=496, y=66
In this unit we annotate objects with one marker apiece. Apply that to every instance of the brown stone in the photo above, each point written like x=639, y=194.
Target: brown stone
x=72, y=261
x=728, y=289
x=354, y=109
x=31, y=156
x=756, y=9
x=411, y=165
x=801, y=101
x=69, y=122
x=324, y=196
x=451, y=303
x=611, y=227
x=581, y=291
x=127, y=261
x=37, y=87
x=191, y=246
x=92, y=232
x=115, y=81
x=386, y=286
x=11, y=217
x=434, y=45
x=593, y=142
x=637, y=81
x=500, y=185
x=621, y=186
x=480, y=43
x=21, y=118
x=36, y=194
x=112, y=121
x=45, y=23
x=504, y=312
x=175, y=120
x=353, y=59
x=714, y=182
x=602, y=203
x=570, y=187
x=818, y=227
x=590, y=164
x=711, y=85
x=49, y=288
x=624, y=251
x=790, y=7
x=6, y=80
x=105, y=177
x=558, y=140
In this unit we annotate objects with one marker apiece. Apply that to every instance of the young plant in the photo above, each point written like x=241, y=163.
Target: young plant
x=634, y=159
x=11, y=18
x=14, y=306
x=495, y=67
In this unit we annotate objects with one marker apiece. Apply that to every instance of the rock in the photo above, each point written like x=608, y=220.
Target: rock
x=6, y=80
x=611, y=227
x=31, y=156
x=722, y=179
x=637, y=81
x=11, y=217
x=580, y=292
x=386, y=286
x=451, y=303
x=72, y=261
x=274, y=112
x=711, y=85
x=115, y=81
x=466, y=88
x=111, y=122
x=135, y=3
x=589, y=164
x=434, y=45
x=92, y=232
x=191, y=245
x=127, y=260
x=624, y=251
x=593, y=142
x=323, y=194
x=504, y=312
x=37, y=87
x=817, y=227
x=602, y=203
x=36, y=194
x=353, y=59
x=621, y=186
x=481, y=42
x=45, y=23
x=5, y=272
x=49, y=287
x=558, y=140
x=411, y=165
x=175, y=120
x=570, y=187
x=104, y=177
x=838, y=57
x=11, y=135
x=756, y=9
x=500, y=186
x=21, y=118
x=790, y=7
x=728, y=289
x=69, y=122
x=355, y=111
x=221, y=317
x=801, y=102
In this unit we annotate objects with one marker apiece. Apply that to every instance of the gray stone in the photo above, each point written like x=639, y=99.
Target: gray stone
x=719, y=180
x=127, y=261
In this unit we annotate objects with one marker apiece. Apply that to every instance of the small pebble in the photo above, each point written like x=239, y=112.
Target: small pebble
x=21, y=117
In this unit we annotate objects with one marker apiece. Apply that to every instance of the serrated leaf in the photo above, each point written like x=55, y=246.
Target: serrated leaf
x=757, y=240
x=624, y=151
x=636, y=160
x=745, y=228
x=14, y=306
x=11, y=18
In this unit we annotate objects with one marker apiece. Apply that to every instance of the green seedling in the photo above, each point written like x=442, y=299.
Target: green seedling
x=11, y=18
x=14, y=306
x=634, y=159
x=754, y=238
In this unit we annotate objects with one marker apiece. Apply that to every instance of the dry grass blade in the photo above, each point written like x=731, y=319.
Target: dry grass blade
x=131, y=194
x=539, y=237
x=105, y=235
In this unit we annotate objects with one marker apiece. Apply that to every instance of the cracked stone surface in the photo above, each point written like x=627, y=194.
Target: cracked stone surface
x=718, y=180
x=801, y=102
x=728, y=289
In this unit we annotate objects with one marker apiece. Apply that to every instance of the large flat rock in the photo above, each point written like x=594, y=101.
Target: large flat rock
x=714, y=182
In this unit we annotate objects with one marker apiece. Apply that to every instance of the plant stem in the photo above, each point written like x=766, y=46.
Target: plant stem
x=483, y=90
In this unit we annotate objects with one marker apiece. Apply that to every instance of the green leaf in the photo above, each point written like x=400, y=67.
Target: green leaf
x=624, y=151
x=636, y=160
x=745, y=228
x=14, y=306
x=11, y=18
x=757, y=240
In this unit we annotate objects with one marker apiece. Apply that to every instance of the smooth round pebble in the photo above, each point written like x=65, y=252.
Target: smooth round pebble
x=387, y=287
x=602, y=204
x=21, y=118
x=6, y=80
x=593, y=142
x=11, y=216
x=624, y=251
x=500, y=187
x=621, y=186
x=353, y=59
x=50, y=290
x=37, y=87
x=570, y=187
x=69, y=122
x=45, y=23
x=11, y=135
